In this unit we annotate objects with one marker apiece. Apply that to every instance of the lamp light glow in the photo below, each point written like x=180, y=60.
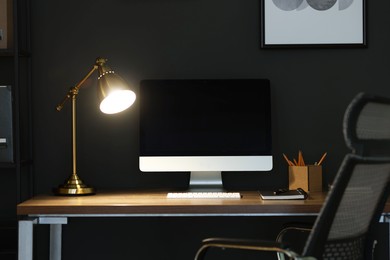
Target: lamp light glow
x=117, y=101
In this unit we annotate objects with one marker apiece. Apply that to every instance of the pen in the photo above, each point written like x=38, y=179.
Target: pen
x=322, y=159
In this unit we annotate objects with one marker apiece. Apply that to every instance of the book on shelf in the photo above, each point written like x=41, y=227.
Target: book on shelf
x=298, y=194
x=6, y=24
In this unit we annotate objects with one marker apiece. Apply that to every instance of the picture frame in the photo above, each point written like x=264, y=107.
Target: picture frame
x=313, y=23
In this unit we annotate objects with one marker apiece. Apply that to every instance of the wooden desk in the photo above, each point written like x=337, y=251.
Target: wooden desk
x=155, y=203
x=55, y=210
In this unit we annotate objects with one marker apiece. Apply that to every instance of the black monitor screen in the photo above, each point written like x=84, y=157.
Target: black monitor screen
x=205, y=117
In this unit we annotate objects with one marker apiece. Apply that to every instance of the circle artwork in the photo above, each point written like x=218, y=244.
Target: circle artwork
x=287, y=5
x=321, y=5
x=344, y=4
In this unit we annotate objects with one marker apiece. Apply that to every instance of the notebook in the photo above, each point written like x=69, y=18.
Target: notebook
x=298, y=194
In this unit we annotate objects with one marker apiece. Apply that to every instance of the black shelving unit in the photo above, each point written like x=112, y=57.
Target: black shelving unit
x=16, y=175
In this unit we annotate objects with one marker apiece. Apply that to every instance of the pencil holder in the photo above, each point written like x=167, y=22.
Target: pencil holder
x=308, y=177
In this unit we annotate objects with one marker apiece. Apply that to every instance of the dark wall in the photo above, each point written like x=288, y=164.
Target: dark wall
x=185, y=39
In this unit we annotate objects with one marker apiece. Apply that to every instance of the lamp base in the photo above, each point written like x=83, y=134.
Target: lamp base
x=74, y=186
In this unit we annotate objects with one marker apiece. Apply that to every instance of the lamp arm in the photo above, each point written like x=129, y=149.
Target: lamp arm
x=75, y=90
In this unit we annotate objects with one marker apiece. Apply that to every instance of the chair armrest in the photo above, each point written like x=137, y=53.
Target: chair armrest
x=302, y=228
x=244, y=244
x=295, y=231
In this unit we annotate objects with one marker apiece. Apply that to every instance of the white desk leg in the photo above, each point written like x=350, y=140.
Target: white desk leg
x=386, y=219
x=25, y=244
x=55, y=234
x=55, y=241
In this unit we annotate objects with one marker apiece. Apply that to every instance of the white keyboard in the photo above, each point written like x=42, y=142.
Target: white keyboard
x=204, y=195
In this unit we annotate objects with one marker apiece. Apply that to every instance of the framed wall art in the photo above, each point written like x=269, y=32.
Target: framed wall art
x=313, y=23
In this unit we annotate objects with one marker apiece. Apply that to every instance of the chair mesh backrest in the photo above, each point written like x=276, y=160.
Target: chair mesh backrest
x=366, y=125
x=341, y=228
x=363, y=191
x=374, y=122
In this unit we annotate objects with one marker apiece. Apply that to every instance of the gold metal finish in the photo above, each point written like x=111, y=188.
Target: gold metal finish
x=74, y=185
x=108, y=81
x=75, y=90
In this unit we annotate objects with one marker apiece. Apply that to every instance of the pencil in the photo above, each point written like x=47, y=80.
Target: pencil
x=322, y=159
x=301, y=161
x=287, y=160
x=296, y=163
x=299, y=158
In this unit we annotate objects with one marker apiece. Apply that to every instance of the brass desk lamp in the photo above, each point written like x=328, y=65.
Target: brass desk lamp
x=115, y=96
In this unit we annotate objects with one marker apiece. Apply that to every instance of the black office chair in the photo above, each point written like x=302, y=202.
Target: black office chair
x=366, y=129
x=356, y=200
x=366, y=125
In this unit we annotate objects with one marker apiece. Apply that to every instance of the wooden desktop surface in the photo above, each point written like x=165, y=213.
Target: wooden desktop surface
x=155, y=202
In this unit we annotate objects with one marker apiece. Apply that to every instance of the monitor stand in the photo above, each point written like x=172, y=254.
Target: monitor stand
x=206, y=181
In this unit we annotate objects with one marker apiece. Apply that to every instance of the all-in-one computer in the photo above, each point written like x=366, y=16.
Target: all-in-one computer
x=205, y=126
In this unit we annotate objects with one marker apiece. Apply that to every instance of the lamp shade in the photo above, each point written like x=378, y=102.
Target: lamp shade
x=114, y=94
